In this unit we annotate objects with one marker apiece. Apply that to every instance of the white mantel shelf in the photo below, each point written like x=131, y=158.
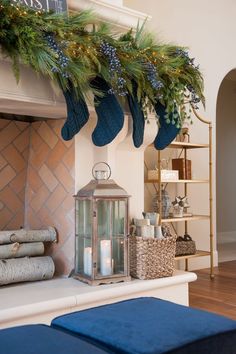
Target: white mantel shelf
x=120, y=17
x=40, y=302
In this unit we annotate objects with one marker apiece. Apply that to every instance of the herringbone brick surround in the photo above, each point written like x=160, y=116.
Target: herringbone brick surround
x=14, y=152
x=37, y=183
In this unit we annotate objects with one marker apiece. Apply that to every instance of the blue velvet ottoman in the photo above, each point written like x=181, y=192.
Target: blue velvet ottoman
x=40, y=339
x=152, y=326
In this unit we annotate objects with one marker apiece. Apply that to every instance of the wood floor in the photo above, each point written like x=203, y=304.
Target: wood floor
x=218, y=295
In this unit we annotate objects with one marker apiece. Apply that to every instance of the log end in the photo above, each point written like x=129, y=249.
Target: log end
x=53, y=233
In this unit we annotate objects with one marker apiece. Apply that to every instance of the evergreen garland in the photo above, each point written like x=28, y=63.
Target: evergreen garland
x=63, y=49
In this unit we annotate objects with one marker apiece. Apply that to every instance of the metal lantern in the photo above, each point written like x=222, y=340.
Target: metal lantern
x=101, y=230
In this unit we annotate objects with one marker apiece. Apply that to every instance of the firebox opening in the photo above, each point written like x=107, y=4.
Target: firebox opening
x=37, y=181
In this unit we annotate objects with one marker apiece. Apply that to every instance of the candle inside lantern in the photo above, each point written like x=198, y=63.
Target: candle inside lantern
x=105, y=257
x=88, y=260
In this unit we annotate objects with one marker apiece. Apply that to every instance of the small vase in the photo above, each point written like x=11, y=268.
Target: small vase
x=166, y=204
x=158, y=233
x=152, y=216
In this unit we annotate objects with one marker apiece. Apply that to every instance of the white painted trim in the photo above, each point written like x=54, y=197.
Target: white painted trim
x=226, y=237
x=118, y=16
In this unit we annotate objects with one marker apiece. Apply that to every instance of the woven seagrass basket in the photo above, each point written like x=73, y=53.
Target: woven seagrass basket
x=151, y=258
x=185, y=246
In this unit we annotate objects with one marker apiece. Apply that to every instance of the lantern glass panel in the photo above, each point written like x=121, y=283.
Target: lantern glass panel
x=84, y=236
x=118, y=235
x=111, y=234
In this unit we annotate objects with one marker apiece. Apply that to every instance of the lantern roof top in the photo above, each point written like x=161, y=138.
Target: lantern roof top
x=102, y=188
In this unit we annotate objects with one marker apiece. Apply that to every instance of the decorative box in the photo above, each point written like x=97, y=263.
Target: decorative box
x=184, y=167
x=166, y=175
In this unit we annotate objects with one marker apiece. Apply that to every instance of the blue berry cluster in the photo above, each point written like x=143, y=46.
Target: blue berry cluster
x=184, y=54
x=114, y=69
x=194, y=97
x=152, y=76
x=62, y=59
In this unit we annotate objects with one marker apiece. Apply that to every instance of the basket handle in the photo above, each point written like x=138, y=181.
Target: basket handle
x=187, y=237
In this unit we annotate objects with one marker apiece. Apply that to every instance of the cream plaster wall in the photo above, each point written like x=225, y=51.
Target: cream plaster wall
x=126, y=161
x=225, y=166
x=209, y=30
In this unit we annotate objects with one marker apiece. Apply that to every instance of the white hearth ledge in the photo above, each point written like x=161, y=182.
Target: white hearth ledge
x=40, y=302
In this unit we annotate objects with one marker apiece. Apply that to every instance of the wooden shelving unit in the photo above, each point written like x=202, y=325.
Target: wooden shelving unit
x=185, y=147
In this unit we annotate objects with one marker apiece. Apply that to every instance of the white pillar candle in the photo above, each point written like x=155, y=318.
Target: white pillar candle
x=88, y=261
x=105, y=257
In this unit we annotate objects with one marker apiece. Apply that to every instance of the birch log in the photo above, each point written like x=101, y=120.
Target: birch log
x=26, y=269
x=16, y=250
x=23, y=235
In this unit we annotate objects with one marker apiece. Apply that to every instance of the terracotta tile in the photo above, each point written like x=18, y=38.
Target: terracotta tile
x=56, y=125
x=40, y=198
x=25, y=154
x=6, y=175
x=23, y=140
x=3, y=123
x=64, y=177
x=37, y=159
x=48, y=178
x=21, y=195
x=56, y=198
x=63, y=225
x=1, y=205
x=68, y=203
x=22, y=125
x=3, y=162
x=48, y=135
x=17, y=221
x=68, y=143
x=69, y=158
x=36, y=125
x=45, y=217
x=8, y=134
x=32, y=221
x=19, y=182
x=33, y=179
x=56, y=155
x=29, y=195
x=60, y=264
x=14, y=158
x=35, y=140
x=71, y=216
x=5, y=217
x=11, y=200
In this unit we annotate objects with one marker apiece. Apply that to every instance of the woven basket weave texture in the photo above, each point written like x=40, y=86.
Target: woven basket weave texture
x=151, y=258
x=184, y=248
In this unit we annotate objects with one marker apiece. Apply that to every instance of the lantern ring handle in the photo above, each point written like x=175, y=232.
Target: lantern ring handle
x=109, y=169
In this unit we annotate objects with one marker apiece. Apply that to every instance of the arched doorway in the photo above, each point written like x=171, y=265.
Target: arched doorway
x=226, y=168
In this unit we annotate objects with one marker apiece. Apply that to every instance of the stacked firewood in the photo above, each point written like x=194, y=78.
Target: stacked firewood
x=21, y=255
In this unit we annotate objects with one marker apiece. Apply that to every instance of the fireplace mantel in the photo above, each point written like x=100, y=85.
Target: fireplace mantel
x=35, y=95
x=119, y=17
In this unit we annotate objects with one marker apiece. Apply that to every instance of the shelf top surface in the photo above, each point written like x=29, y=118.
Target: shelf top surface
x=178, y=181
x=186, y=218
x=182, y=145
x=197, y=254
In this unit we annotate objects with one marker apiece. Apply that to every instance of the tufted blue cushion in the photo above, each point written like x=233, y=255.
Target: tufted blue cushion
x=40, y=339
x=152, y=326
